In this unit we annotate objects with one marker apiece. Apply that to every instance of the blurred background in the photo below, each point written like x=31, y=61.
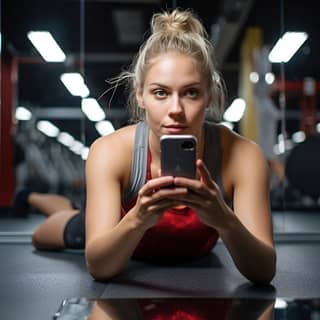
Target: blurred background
x=48, y=126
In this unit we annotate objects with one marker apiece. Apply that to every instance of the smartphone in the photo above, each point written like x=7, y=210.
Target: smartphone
x=178, y=154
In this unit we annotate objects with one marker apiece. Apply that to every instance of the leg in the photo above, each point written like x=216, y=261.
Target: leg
x=50, y=234
x=49, y=203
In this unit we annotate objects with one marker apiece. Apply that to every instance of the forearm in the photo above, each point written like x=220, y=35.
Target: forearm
x=107, y=255
x=255, y=259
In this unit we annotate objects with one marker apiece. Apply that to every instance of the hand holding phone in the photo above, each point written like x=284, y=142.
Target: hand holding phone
x=178, y=155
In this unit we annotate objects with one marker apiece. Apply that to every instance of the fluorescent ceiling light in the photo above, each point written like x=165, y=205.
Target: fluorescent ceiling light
x=84, y=153
x=227, y=124
x=23, y=113
x=48, y=128
x=287, y=46
x=75, y=84
x=47, y=46
x=269, y=78
x=66, y=139
x=104, y=127
x=77, y=147
x=280, y=304
x=298, y=137
x=283, y=144
x=236, y=110
x=254, y=77
x=92, y=109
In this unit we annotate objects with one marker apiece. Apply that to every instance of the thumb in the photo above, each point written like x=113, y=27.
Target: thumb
x=204, y=173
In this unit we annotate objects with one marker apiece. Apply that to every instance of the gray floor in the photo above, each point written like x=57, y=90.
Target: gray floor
x=33, y=283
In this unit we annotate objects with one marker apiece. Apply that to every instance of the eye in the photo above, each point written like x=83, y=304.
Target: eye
x=160, y=93
x=192, y=93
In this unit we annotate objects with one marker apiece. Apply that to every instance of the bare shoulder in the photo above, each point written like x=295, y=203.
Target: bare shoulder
x=114, y=139
x=243, y=156
x=112, y=152
x=237, y=143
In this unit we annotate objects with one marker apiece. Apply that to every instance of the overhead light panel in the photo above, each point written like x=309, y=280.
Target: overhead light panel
x=236, y=110
x=92, y=109
x=23, y=114
x=47, y=46
x=280, y=304
x=227, y=124
x=77, y=147
x=254, y=77
x=66, y=139
x=269, y=78
x=298, y=137
x=287, y=46
x=75, y=84
x=104, y=127
x=48, y=128
x=84, y=153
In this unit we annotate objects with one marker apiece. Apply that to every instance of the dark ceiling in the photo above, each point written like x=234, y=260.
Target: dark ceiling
x=100, y=37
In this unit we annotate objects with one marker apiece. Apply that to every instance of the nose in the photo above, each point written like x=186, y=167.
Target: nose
x=176, y=106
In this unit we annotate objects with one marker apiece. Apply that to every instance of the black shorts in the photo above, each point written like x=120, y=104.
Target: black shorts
x=74, y=232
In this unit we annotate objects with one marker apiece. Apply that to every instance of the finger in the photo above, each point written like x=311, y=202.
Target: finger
x=155, y=184
x=198, y=189
x=193, y=185
x=162, y=206
x=172, y=192
x=205, y=175
x=192, y=200
x=162, y=195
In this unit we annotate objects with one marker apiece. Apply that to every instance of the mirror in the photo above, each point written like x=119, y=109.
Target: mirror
x=200, y=308
x=180, y=308
x=39, y=98
x=99, y=38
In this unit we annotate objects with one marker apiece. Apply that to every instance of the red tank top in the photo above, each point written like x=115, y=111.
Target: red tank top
x=178, y=235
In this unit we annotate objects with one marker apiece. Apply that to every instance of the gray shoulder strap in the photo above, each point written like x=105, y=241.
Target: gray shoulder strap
x=139, y=161
x=213, y=152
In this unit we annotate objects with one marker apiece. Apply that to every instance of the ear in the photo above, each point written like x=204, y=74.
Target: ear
x=139, y=97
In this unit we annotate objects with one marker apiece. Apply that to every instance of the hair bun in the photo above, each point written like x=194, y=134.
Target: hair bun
x=177, y=22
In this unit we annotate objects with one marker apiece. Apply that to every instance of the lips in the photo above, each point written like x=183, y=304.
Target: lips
x=175, y=128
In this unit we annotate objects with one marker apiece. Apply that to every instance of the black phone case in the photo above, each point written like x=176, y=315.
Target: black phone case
x=178, y=155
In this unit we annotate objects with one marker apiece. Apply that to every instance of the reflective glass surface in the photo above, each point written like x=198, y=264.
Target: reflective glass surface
x=188, y=308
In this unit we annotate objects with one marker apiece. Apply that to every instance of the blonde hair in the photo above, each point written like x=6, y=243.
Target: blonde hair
x=180, y=31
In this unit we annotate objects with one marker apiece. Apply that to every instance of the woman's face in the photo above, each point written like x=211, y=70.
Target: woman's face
x=174, y=95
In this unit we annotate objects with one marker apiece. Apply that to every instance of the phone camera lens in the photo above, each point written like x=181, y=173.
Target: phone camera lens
x=187, y=145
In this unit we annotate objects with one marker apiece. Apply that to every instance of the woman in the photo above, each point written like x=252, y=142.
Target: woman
x=133, y=211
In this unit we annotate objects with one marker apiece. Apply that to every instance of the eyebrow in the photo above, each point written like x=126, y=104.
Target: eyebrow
x=185, y=86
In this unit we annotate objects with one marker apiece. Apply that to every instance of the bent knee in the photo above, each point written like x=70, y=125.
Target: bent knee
x=36, y=239
x=42, y=239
